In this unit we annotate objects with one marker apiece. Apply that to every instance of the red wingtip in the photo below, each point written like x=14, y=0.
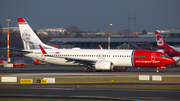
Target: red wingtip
x=21, y=20
x=43, y=51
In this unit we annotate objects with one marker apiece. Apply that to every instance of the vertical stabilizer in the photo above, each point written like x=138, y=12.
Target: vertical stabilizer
x=161, y=43
x=29, y=38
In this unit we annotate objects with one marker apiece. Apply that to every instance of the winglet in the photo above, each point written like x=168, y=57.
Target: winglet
x=100, y=47
x=42, y=50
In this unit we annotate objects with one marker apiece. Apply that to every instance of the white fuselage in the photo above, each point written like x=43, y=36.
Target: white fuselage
x=117, y=57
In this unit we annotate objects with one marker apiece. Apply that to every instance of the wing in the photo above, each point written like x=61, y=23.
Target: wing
x=75, y=60
x=80, y=61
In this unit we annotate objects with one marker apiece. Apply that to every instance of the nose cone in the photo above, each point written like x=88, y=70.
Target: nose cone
x=170, y=61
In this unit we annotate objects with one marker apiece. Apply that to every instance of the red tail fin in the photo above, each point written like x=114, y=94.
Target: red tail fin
x=21, y=20
x=161, y=43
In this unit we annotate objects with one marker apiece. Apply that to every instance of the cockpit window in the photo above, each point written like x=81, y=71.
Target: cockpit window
x=163, y=56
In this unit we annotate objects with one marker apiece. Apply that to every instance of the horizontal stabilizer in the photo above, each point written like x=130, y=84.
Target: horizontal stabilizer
x=23, y=51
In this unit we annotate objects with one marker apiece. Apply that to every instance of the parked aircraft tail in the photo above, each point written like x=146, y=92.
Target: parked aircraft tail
x=29, y=38
x=161, y=43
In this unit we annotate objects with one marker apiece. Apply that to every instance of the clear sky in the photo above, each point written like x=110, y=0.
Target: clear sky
x=93, y=15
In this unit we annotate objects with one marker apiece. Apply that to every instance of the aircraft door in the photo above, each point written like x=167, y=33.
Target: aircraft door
x=153, y=55
x=99, y=56
x=103, y=56
x=42, y=57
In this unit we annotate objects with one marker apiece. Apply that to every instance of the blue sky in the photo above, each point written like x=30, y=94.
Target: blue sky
x=93, y=15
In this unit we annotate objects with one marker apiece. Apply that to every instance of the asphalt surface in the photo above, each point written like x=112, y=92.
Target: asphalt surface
x=53, y=91
x=41, y=91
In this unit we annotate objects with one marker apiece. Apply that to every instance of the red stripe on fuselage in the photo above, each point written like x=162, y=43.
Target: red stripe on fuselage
x=145, y=58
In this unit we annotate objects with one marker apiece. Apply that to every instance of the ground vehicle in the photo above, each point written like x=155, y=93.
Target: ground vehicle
x=19, y=63
x=1, y=62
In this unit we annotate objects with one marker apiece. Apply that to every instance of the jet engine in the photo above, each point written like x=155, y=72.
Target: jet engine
x=104, y=65
x=177, y=59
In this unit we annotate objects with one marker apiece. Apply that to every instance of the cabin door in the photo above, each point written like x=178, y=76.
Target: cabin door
x=42, y=57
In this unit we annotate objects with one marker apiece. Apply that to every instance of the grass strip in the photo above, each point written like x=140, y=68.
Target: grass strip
x=104, y=80
x=116, y=86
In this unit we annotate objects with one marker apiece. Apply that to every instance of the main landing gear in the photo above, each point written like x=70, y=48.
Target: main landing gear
x=89, y=69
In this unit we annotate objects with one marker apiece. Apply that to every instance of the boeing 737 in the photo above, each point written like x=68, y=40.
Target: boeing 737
x=93, y=59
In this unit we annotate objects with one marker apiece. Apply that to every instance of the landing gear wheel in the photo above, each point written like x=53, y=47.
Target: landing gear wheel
x=157, y=70
x=89, y=69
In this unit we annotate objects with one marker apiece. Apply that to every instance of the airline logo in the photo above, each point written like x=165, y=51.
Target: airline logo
x=57, y=52
x=160, y=41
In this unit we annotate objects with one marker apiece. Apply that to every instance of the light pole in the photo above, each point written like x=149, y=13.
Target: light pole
x=134, y=26
x=128, y=28
x=8, y=59
x=109, y=35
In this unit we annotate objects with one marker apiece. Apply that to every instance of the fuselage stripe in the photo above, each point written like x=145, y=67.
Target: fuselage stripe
x=132, y=58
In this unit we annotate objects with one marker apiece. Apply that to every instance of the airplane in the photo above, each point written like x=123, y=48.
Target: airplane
x=93, y=59
x=168, y=49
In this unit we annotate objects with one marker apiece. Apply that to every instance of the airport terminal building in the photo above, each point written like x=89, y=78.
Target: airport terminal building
x=148, y=41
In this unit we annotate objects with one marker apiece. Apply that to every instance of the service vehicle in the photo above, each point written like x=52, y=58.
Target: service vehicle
x=19, y=63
